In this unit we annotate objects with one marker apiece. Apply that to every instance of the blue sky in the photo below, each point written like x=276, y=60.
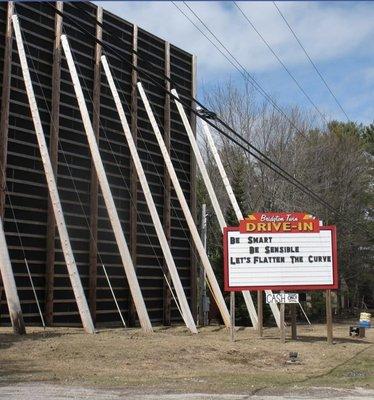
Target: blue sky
x=339, y=36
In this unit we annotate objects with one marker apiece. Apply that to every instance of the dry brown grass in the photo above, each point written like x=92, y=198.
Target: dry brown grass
x=174, y=360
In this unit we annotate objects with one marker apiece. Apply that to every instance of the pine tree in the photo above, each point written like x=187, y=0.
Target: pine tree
x=239, y=185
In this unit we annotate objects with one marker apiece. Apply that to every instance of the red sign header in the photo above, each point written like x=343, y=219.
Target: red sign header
x=274, y=222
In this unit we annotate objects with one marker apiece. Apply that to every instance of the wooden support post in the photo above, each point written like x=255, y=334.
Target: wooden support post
x=167, y=184
x=94, y=184
x=10, y=289
x=4, y=113
x=203, y=300
x=52, y=187
x=212, y=195
x=235, y=206
x=232, y=315
x=293, y=321
x=133, y=174
x=329, y=317
x=216, y=291
x=260, y=312
x=185, y=310
x=53, y=154
x=193, y=195
x=5, y=96
x=6, y=271
x=282, y=323
x=107, y=194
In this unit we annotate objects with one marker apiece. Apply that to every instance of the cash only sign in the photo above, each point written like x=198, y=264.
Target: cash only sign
x=280, y=251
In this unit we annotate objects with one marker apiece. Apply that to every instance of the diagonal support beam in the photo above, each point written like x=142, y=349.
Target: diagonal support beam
x=107, y=194
x=217, y=294
x=10, y=288
x=234, y=203
x=4, y=111
x=52, y=187
x=212, y=195
x=186, y=312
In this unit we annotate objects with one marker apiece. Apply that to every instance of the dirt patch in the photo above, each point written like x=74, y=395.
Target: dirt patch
x=172, y=360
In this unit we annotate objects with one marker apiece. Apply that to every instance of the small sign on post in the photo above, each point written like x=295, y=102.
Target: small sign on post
x=285, y=298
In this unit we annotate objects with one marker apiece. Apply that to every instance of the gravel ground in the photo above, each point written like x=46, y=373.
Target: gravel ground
x=57, y=392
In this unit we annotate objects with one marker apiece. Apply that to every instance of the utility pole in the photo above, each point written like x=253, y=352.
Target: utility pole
x=204, y=299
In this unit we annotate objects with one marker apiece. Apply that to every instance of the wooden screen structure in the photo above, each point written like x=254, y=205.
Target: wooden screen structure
x=27, y=196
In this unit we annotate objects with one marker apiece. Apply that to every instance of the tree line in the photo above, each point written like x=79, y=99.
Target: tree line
x=334, y=159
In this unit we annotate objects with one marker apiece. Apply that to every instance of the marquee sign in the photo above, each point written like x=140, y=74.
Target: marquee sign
x=279, y=222
x=280, y=251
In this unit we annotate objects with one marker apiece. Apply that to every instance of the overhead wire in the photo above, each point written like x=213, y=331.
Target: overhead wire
x=281, y=172
x=291, y=75
x=285, y=173
x=310, y=60
x=239, y=67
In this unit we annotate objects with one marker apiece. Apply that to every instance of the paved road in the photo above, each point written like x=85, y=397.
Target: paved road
x=37, y=391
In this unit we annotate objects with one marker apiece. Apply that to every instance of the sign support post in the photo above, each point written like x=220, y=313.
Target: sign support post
x=260, y=312
x=232, y=315
x=282, y=327
x=329, y=317
x=293, y=321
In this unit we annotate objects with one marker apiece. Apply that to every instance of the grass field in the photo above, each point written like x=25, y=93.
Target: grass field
x=171, y=359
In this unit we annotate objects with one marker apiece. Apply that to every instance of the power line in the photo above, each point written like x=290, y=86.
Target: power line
x=239, y=67
x=280, y=171
x=270, y=164
x=243, y=71
x=311, y=61
x=280, y=61
x=285, y=174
